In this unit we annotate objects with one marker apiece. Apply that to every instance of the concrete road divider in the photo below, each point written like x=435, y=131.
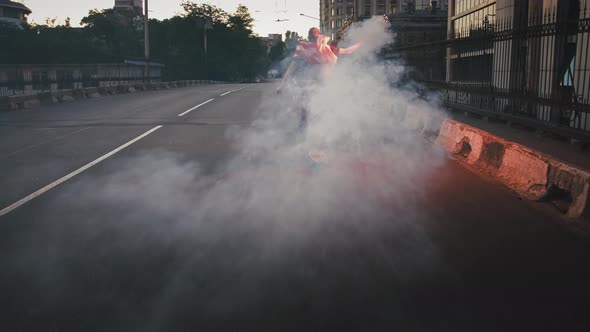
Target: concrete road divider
x=20, y=102
x=459, y=139
x=530, y=173
x=524, y=171
x=29, y=101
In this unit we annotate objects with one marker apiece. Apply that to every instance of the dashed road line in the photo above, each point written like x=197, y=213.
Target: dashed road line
x=54, y=184
x=194, y=108
x=227, y=93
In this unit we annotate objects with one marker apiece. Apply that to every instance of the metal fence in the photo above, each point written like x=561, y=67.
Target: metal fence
x=31, y=79
x=532, y=68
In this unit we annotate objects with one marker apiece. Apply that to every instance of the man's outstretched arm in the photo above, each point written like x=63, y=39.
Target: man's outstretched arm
x=351, y=49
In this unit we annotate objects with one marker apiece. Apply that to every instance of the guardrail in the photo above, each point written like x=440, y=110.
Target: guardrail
x=29, y=79
x=532, y=68
x=28, y=101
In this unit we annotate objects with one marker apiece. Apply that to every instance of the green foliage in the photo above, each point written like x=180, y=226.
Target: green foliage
x=233, y=51
x=242, y=20
x=116, y=34
x=277, y=52
x=47, y=44
x=203, y=10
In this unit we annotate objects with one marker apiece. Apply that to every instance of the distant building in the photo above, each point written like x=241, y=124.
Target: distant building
x=420, y=22
x=334, y=13
x=271, y=40
x=135, y=6
x=13, y=13
x=472, y=19
x=275, y=38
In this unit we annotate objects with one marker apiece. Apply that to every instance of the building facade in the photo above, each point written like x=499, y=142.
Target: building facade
x=471, y=18
x=334, y=13
x=414, y=22
x=135, y=6
x=272, y=40
x=532, y=53
x=13, y=13
x=419, y=27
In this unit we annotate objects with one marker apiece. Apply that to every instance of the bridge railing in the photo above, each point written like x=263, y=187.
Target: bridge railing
x=39, y=78
x=533, y=69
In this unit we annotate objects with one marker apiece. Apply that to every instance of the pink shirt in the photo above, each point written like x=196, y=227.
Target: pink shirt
x=316, y=53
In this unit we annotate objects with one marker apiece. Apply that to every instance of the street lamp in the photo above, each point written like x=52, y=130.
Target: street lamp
x=315, y=18
x=146, y=40
x=207, y=24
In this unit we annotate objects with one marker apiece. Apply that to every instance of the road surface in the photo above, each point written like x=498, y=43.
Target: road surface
x=119, y=243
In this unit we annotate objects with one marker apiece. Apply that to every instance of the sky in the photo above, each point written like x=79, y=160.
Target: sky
x=265, y=12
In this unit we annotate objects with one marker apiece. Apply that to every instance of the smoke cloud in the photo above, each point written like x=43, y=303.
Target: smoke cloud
x=328, y=204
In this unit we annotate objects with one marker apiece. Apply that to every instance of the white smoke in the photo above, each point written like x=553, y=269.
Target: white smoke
x=272, y=205
x=373, y=33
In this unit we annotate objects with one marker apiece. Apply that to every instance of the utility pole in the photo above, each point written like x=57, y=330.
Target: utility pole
x=146, y=39
x=207, y=25
x=206, y=51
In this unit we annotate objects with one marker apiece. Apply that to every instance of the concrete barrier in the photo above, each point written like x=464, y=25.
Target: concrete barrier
x=78, y=94
x=4, y=103
x=108, y=90
x=22, y=102
x=48, y=98
x=530, y=173
x=574, y=181
x=66, y=98
x=91, y=93
x=524, y=171
x=459, y=139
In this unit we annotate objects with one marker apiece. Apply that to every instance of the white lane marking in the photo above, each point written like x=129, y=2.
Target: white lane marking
x=194, y=108
x=227, y=93
x=73, y=174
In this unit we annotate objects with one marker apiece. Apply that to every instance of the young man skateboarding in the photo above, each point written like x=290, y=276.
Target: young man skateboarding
x=313, y=59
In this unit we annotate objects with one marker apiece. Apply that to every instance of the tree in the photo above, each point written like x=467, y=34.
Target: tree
x=241, y=20
x=51, y=22
x=277, y=52
x=116, y=32
x=234, y=52
x=195, y=10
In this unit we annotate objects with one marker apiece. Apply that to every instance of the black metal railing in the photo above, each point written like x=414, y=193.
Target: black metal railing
x=532, y=68
x=32, y=79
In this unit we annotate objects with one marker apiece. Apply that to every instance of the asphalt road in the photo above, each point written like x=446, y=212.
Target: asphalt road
x=156, y=238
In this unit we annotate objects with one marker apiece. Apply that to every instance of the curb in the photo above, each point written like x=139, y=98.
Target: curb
x=30, y=101
x=530, y=173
